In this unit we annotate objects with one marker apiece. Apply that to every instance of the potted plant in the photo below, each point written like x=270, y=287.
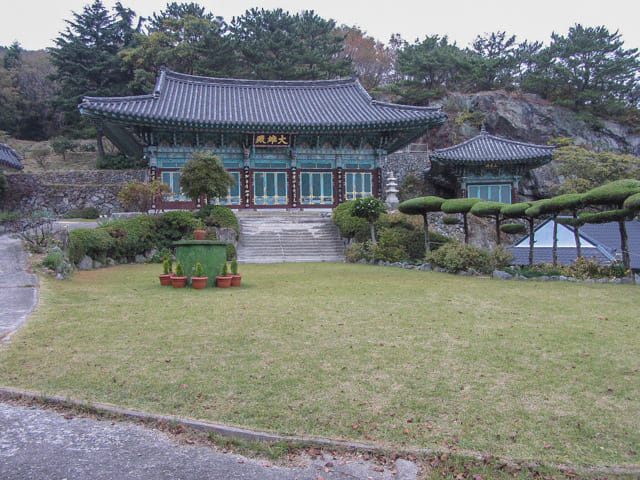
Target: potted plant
x=224, y=279
x=236, y=278
x=199, y=281
x=165, y=278
x=179, y=280
x=200, y=232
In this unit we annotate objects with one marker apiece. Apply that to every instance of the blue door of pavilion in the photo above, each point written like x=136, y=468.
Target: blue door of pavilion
x=270, y=188
x=316, y=188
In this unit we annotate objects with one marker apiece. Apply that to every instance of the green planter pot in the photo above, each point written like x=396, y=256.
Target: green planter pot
x=211, y=254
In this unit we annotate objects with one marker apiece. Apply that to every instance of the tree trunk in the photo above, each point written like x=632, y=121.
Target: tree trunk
x=427, y=246
x=99, y=142
x=372, y=228
x=576, y=235
x=465, y=224
x=624, y=240
x=498, y=241
x=531, y=240
x=554, y=250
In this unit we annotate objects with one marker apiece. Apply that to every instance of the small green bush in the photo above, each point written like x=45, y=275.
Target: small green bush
x=218, y=216
x=199, y=272
x=167, y=266
x=174, y=225
x=179, y=270
x=513, y=228
x=450, y=220
x=53, y=260
x=231, y=251
x=234, y=266
x=225, y=270
x=90, y=213
x=390, y=246
x=349, y=225
x=455, y=257
x=95, y=243
x=359, y=251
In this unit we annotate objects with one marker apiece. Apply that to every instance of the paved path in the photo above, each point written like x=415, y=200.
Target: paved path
x=18, y=289
x=43, y=444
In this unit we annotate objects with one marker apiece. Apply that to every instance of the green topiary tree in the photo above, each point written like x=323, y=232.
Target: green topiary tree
x=521, y=210
x=614, y=194
x=205, y=176
x=370, y=209
x=632, y=203
x=422, y=206
x=554, y=206
x=463, y=206
x=513, y=228
x=489, y=209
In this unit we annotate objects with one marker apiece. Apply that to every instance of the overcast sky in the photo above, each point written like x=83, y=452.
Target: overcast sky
x=36, y=23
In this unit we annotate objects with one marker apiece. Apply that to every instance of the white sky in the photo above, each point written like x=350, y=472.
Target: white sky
x=36, y=23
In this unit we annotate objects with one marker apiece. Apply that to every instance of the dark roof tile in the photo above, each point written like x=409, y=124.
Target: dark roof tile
x=9, y=157
x=485, y=148
x=338, y=104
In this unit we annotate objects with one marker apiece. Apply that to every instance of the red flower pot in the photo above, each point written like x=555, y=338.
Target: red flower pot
x=235, y=280
x=165, y=279
x=223, y=282
x=200, y=234
x=199, y=282
x=179, y=282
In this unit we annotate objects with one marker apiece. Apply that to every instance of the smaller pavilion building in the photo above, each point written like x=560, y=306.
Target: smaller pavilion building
x=488, y=167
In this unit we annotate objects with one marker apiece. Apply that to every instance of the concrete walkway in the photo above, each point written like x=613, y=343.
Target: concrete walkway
x=18, y=289
x=43, y=444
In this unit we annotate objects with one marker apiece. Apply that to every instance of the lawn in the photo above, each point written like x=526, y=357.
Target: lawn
x=398, y=358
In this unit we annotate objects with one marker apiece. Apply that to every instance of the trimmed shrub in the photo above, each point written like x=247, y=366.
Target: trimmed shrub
x=95, y=243
x=450, y=220
x=607, y=216
x=218, y=216
x=231, y=251
x=459, y=205
x=390, y=246
x=513, y=228
x=90, y=213
x=174, y=225
x=455, y=257
x=632, y=202
x=359, y=251
x=614, y=193
x=349, y=225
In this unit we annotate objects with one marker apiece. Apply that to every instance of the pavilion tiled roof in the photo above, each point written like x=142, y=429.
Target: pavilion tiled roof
x=9, y=157
x=485, y=148
x=259, y=105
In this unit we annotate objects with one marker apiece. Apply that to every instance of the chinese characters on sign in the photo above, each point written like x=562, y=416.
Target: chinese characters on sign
x=271, y=140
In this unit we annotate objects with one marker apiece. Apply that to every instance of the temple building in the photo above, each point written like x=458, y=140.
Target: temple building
x=487, y=166
x=289, y=144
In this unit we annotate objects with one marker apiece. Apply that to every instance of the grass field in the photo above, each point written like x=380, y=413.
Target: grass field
x=402, y=359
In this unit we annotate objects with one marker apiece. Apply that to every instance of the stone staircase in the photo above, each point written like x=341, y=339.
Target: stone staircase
x=269, y=236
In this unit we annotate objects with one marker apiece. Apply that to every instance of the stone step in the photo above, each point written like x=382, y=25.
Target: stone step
x=274, y=237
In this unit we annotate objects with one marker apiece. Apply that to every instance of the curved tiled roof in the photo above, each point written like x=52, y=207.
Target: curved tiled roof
x=258, y=105
x=485, y=148
x=9, y=157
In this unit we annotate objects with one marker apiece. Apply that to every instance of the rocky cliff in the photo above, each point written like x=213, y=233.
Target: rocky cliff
x=526, y=118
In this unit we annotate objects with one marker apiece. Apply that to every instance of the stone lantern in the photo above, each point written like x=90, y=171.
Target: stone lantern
x=391, y=191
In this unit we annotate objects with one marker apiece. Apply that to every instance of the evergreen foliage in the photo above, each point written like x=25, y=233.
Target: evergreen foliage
x=632, y=202
x=422, y=206
x=462, y=206
x=513, y=228
x=205, y=176
x=370, y=209
x=489, y=209
x=86, y=58
x=276, y=45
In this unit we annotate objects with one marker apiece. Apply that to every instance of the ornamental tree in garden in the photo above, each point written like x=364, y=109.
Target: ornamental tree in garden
x=370, y=209
x=489, y=209
x=522, y=210
x=571, y=202
x=614, y=194
x=463, y=206
x=422, y=206
x=204, y=176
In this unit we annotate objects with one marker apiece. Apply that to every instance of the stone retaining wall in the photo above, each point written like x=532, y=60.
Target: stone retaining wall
x=60, y=192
